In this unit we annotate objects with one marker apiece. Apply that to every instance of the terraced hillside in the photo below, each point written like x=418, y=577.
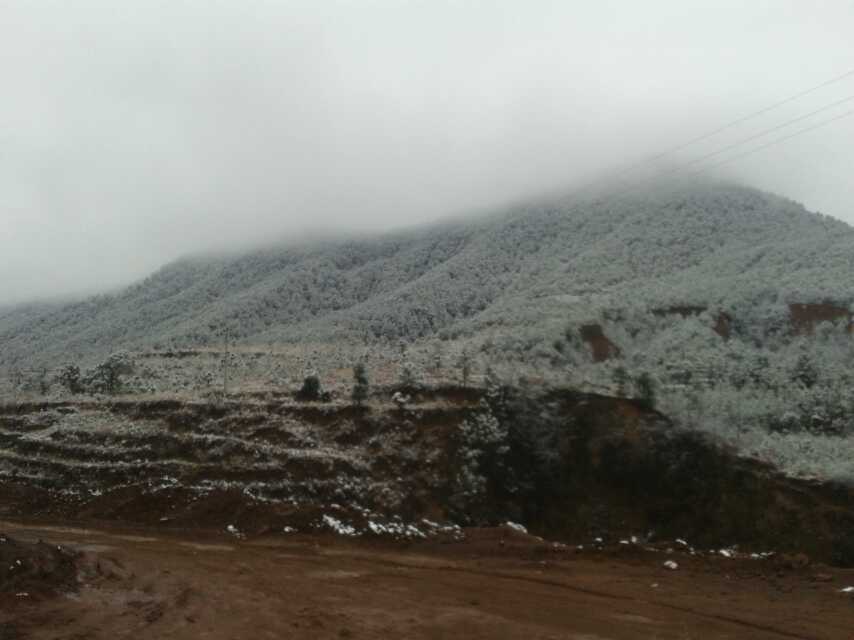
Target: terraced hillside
x=568, y=465
x=290, y=454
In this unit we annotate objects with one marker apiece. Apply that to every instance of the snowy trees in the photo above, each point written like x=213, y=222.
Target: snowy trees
x=693, y=282
x=106, y=377
x=717, y=246
x=69, y=378
x=804, y=372
x=360, y=384
x=482, y=446
x=409, y=377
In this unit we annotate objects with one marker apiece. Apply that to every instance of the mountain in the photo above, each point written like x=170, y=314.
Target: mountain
x=728, y=308
x=528, y=270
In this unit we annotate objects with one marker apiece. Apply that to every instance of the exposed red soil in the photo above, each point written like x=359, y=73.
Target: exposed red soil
x=620, y=469
x=684, y=310
x=600, y=345
x=723, y=326
x=496, y=584
x=723, y=321
x=806, y=317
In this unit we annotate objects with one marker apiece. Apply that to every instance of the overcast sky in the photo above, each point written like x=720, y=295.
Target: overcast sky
x=135, y=131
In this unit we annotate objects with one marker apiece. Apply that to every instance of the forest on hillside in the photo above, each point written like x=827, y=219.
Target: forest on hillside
x=690, y=287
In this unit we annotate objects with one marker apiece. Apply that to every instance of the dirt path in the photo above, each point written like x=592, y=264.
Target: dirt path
x=139, y=584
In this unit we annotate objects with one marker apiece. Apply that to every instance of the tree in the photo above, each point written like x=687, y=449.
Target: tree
x=16, y=380
x=408, y=377
x=360, y=384
x=310, y=390
x=491, y=380
x=465, y=367
x=805, y=372
x=437, y=359
x=107, y=376
x=645, y=386
x=42, y=381
x=400, y=399
x=621, y=379
x=70, y=378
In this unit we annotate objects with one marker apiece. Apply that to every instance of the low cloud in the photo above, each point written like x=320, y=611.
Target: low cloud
x=133, y=133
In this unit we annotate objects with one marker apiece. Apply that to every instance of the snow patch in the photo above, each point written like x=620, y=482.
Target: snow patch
x=516, y=527
x=339, y=527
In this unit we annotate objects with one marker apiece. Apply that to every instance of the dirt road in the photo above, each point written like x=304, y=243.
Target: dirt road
x=497, y=584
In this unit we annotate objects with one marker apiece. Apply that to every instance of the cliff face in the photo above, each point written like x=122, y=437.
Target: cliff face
x=568, y=465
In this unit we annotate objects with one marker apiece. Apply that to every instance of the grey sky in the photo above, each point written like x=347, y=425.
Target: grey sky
x=134, y=131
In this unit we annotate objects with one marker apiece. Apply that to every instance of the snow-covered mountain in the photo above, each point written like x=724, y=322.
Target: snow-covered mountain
x=524, y=272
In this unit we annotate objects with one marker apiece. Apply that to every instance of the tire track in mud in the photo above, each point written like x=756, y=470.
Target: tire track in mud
x=587, y=591
x=438, y=568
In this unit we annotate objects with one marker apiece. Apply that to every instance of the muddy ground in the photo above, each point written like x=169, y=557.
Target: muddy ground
x=498, y=583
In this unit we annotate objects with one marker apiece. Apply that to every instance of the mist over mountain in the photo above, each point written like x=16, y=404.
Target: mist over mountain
x=480, y=287
x=131, y=138
x=521, y=274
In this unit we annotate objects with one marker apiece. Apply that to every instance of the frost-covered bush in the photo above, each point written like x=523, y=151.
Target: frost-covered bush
x=410, y=376
x=400, y=399
x=70, y=378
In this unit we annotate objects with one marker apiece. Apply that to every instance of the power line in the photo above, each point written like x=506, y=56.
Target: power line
x=765, y=132
x=751, y=138
x=777, y=141
x=616, y=173
x=752, y=115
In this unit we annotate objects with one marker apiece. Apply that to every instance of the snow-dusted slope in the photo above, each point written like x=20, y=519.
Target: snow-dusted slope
x=528, y=271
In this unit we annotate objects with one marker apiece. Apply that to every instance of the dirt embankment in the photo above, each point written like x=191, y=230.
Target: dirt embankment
x=30, y=570
x=570, y=466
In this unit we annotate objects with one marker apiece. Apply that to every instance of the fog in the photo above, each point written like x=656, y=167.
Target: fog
x=134, y=132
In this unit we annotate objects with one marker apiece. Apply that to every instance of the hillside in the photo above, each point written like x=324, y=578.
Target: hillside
x=730, y=308
x=570, y=466
x=526, y=272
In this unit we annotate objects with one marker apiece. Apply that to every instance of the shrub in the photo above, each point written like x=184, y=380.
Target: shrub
x=360, y=384
x=70, y=378
x=646, y=389
x=310, y=390
x=107, y=376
